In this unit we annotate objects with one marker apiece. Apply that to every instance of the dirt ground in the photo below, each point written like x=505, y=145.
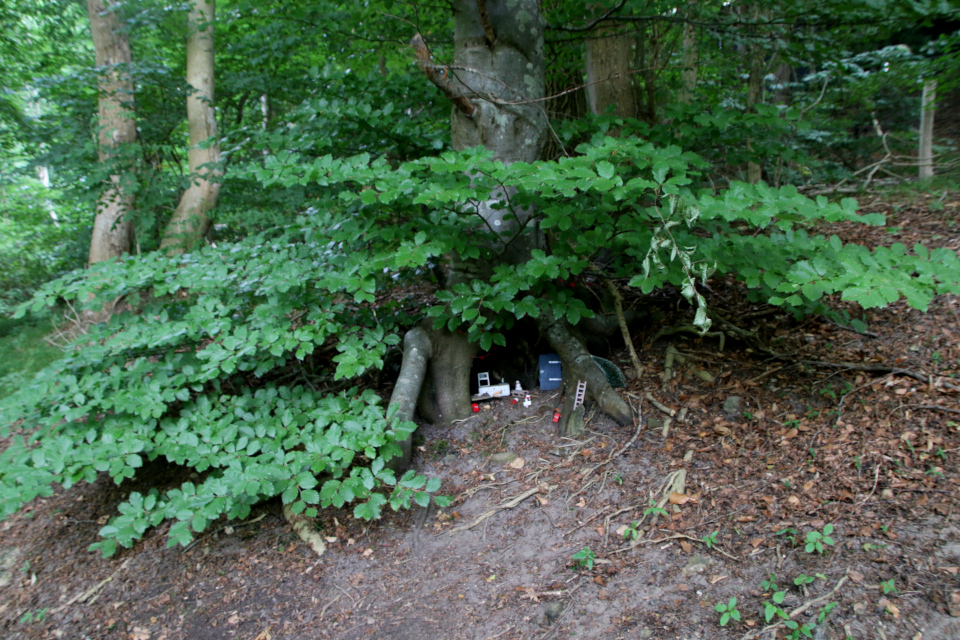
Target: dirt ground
x=770, y=451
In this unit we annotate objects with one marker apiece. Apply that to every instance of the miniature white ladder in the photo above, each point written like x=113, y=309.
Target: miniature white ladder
x=581, y=393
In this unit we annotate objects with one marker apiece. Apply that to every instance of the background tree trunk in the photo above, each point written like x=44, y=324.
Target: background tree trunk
x=112, y=231
x=609, y=81
x=690, y=56
x=927, y=111
x=190, y=221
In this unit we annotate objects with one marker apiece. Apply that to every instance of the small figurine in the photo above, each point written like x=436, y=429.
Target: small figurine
x=526, y=401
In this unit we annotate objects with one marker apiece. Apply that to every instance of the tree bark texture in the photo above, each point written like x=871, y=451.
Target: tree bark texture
x=112, y=230
x=927, y=112
x=609, y=79
x=754, y=97
x=691, y=54
x=190, y=221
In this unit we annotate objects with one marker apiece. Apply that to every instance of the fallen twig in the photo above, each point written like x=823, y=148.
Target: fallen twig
x=501, y=507
x=327, y=606
x=659, y=405
x=84, y=595
x=676, y=536
x=881, y=368
x=624, y=447
x=796, y=612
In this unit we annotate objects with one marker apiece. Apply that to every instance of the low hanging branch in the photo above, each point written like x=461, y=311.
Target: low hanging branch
x=439, y=75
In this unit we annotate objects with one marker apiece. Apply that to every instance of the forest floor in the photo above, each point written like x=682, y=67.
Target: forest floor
x=773, y=453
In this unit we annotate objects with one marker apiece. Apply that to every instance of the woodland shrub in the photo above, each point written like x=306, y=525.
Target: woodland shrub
x=206, y=369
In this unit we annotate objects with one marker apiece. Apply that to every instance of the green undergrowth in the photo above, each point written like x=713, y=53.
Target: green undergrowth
x=252, y=362
x=25, y=351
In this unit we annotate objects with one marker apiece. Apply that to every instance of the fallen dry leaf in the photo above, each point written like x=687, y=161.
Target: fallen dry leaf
x=723, y=431
x=234, y=619
x=686, y=546
x=756, y=542
x=716, y=579
x=856, y=576
x=794, y=501
x=139, y=633
x=582, y=503
x=368, y=553
x=951, y=570
x=891, y=608
x=543, y=501
x=516, y=464
x=679, y=498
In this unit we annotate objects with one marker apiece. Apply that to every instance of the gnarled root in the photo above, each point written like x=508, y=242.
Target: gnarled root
x=413, y=370
x=305, y=530
x=579, y=365
x=445, y=394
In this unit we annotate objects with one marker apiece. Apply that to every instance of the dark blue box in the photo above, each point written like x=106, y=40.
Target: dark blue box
x=550, y=373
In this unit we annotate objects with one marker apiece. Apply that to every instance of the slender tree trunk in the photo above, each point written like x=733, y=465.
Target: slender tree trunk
x=754, y=97
x=112, y=230
x=190, y=221
x=690, y=56
x=609, y=81
x=927, y=111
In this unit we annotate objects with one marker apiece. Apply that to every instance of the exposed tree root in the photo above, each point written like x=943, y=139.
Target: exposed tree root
x=413, y=370
x=305, y=530
x=579, y=365
x=509, y=504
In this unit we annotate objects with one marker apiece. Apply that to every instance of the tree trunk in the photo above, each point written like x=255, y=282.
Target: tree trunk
x=609, y=80
x=494, y=85
x=754, y=97
x=690, y=56
x=190, y=221
x=927, y=111
x=112, y=231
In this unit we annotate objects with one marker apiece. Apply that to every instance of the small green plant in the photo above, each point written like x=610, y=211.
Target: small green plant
x=792, y=424
x=772, y=608
x=940, y=453
x=888, y=587
x=710, y=540
x=935, y=471
x=869, y=546
x=788, y=534
x=770, y=584
x=747, y=415
x=632, y=532
x=936, y=357
x=857, y=463
x=618, y=479
x=817, y=541
x=584, y=558
x=727, y=612
x=34, y=616
x=828, y=392
x=654, y=509
x=803, y=580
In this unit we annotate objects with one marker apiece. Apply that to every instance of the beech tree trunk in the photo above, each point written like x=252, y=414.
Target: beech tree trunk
x=112, y=230
x=190, y=222
x=494, y=85
x=609, y=79
x=925, y=156
x=690, y=57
